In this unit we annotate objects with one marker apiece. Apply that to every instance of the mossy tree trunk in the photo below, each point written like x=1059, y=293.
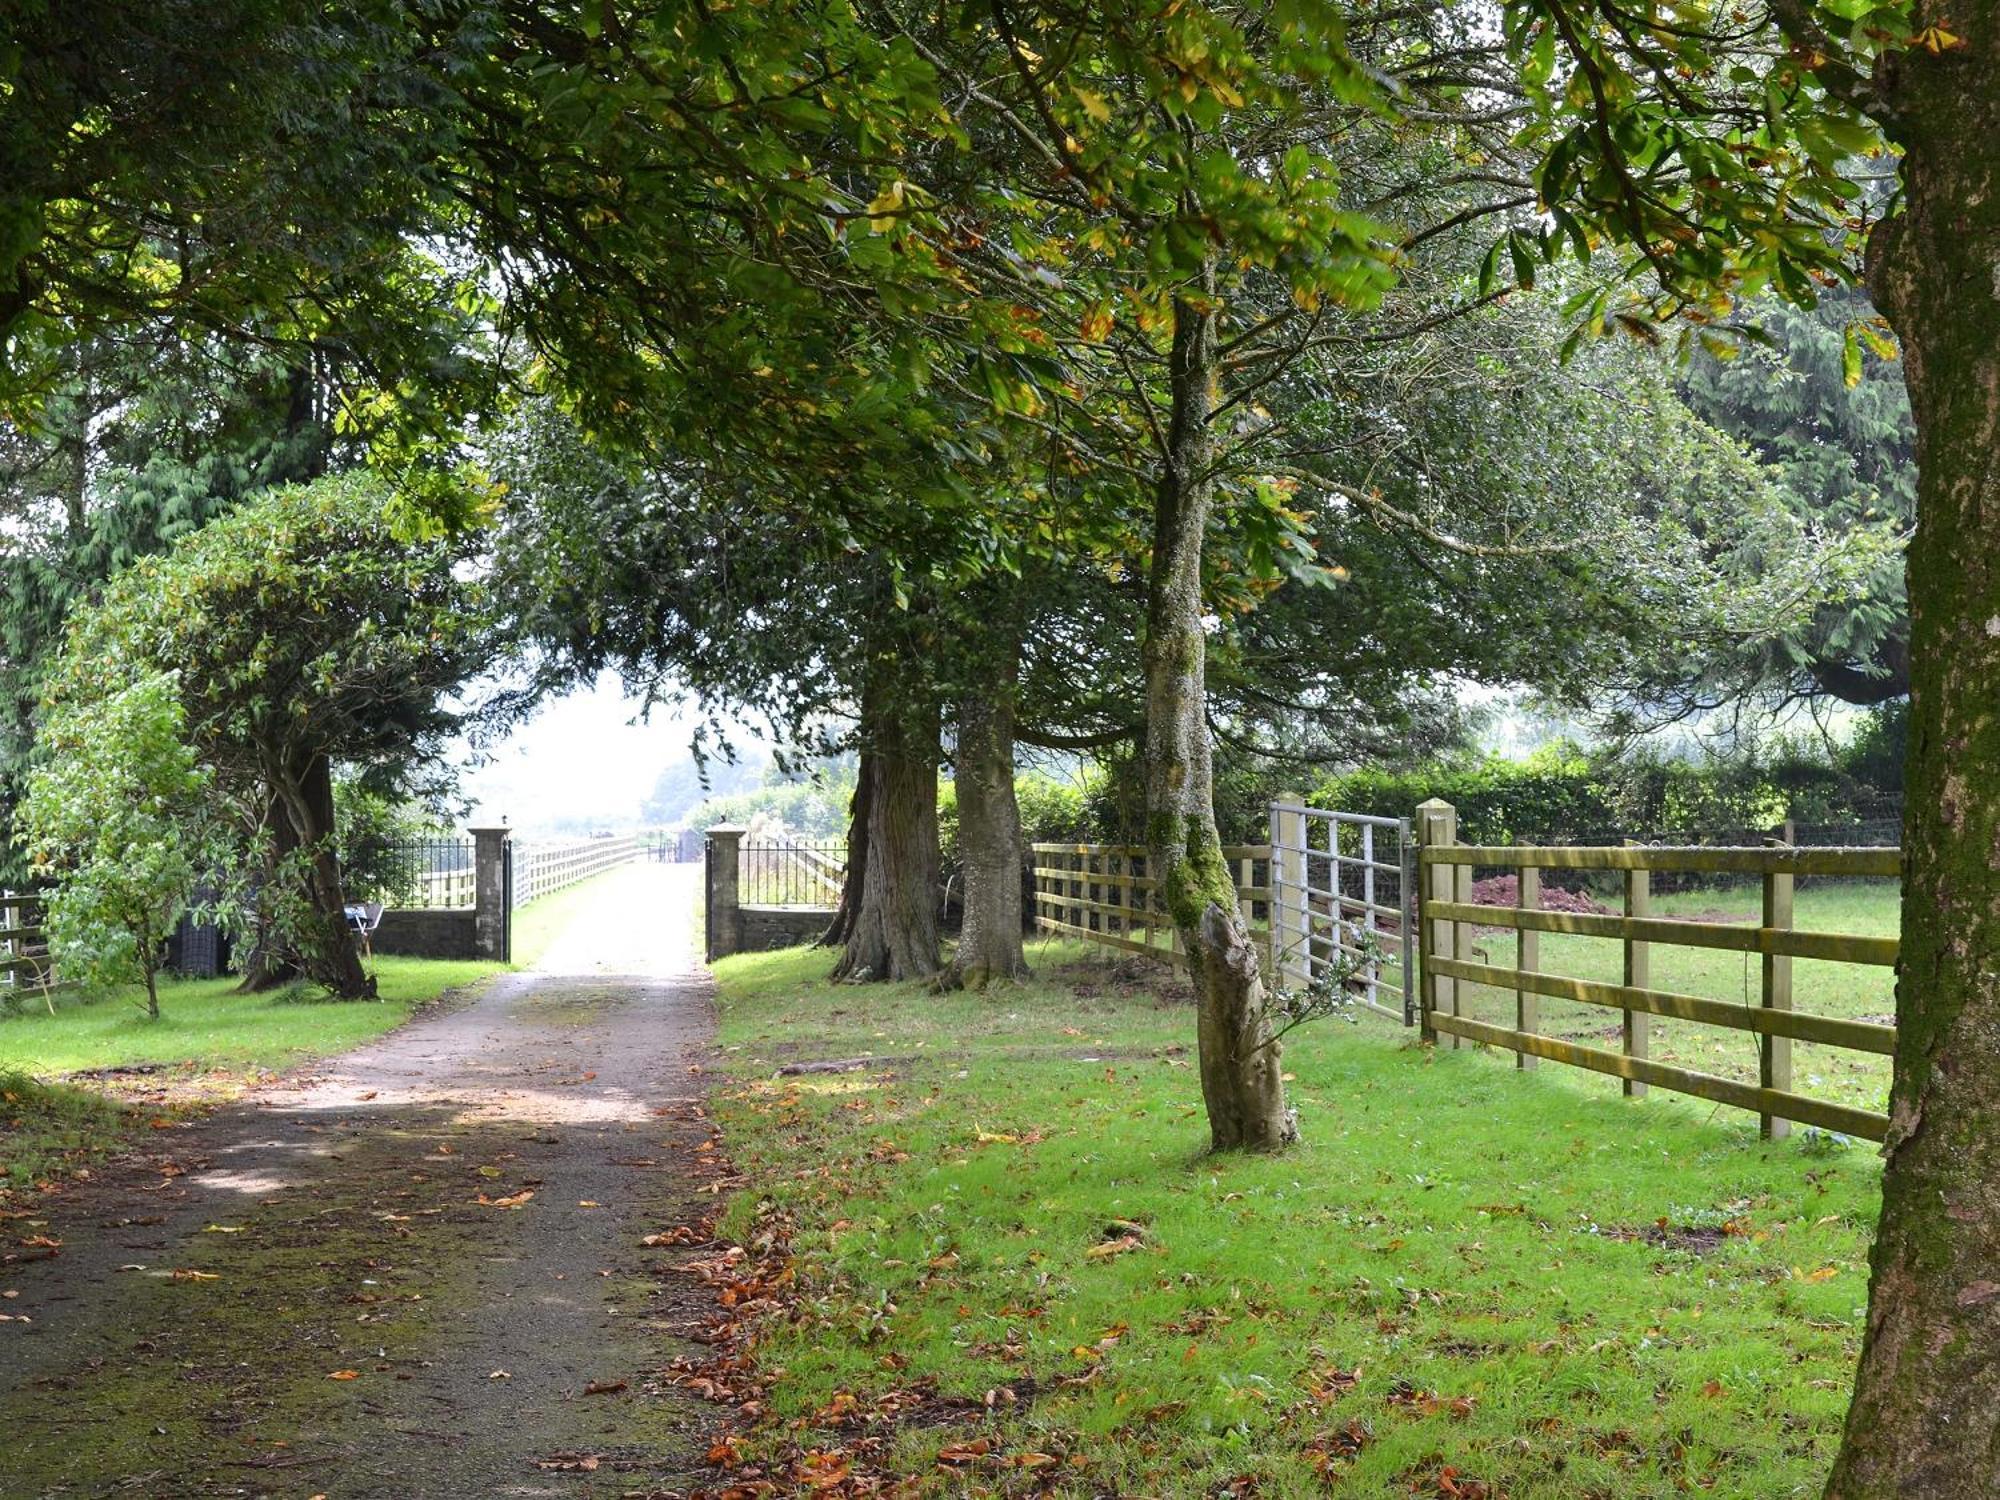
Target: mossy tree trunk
x=1925, y=1423
x=892, y=932
x=325, y=943
x=989, y=835
x=1241, y=1077
x=271, y=962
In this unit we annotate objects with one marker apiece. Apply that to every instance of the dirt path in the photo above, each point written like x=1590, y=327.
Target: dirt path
x=195, y=1332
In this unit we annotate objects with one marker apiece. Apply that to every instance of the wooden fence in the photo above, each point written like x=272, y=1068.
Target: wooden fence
x=444, y=890
x=1448, y=916
x=540, y=869
x=1101, y=893
x=24, y=948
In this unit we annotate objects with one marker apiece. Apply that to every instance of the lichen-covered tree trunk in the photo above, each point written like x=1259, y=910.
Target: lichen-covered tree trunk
x=1241, y=1078
x=989, y=837
x=894, y=932
x=1925, y=1422
x=325, y=943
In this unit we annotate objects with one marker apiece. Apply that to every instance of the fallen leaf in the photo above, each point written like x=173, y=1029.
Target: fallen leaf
x=345, y=1375
x=500, y=1375
x=604, y=1387
x=680, y=1234
x=1120, y=1246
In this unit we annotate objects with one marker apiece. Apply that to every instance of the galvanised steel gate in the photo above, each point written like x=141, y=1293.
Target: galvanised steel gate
x=1343, y=898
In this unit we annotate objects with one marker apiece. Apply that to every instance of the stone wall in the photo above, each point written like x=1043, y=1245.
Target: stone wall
x=736, y=928
x=760, y=928
x=429, y=934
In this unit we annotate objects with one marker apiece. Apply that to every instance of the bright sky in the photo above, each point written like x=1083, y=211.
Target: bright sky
x=584, y=758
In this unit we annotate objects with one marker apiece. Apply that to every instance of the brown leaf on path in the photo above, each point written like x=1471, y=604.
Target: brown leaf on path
x=511, y=1200
x=605, y=1387
x=569, y=1462
x=680, y=1234
x=345, y=1375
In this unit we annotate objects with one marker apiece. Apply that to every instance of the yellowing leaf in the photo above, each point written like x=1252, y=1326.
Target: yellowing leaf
x=1093, y=104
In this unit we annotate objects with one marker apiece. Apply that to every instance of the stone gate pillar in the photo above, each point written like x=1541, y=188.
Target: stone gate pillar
x=492, y=930
x=723, y=916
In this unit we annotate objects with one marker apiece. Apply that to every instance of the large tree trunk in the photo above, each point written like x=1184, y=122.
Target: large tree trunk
x=855, y=879
x=1925, y=1423
x=272, y=962
x=325, y=943
x=989, y=838
x=1241, y=1079
x=894, y=932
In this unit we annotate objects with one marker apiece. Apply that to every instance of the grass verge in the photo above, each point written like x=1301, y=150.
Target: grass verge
x=1016, y=1269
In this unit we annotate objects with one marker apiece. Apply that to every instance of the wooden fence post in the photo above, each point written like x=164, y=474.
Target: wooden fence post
x=1437, y=826
x=1638, y=1026
x=1528, y=959
x=1775, y=1052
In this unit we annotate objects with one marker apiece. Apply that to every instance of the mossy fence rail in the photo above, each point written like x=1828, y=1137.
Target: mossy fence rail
x=1448, y=918
x=1102, y=893
x=24, y=946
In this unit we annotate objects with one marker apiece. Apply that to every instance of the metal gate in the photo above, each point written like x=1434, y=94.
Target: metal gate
x=1343, y=898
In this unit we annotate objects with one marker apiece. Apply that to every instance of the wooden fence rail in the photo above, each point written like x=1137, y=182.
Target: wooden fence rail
x=1448, y=915
x=1102, y=894
x=542, y=869
x=24, y=947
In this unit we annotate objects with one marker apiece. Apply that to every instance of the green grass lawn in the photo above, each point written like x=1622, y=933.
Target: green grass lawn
x=1464, y=1274
x=1856, y=991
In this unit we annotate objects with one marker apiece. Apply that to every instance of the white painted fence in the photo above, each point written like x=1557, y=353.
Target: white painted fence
x=540, y=869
